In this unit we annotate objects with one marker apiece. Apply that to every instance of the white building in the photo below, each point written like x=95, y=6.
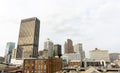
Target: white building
x=17, y=62
x=71, y=56
x=14, y=60
x=14, y=54
x=79, y=49
x=48, y=45
x=99, y=55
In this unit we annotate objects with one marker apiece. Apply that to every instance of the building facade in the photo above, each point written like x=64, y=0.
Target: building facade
x=68, y=46
x=43, y=54
x=14, y=54
x=8, y=51
x=114, y=56
x=57, y=50
x=28, y=40
x=50, y=65
x=48, y=45
x=1, y=59
x=99, y=55
x=71, y=56
x=79, y=49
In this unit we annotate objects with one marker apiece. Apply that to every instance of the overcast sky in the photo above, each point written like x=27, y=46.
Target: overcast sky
x=95, y=23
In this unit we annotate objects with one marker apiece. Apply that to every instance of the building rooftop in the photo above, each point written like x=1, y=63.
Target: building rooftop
x=99, y=50
x=29, y=19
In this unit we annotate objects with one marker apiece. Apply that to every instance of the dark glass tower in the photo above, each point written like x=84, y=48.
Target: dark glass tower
x=57, y=50
x=28, y=40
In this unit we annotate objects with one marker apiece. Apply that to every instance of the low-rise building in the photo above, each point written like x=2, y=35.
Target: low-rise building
x=74, y=63
x=50, y=65
x=114, y=56
x=71, y=56
x=98, y=54
x=17, y=62
x=1, y=59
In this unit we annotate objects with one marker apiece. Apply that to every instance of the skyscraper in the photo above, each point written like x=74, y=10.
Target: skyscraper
x=68, y=46
x=28, y=40
x=48, y=45
x=8, y=51
x=79, y=49
x=57, y=50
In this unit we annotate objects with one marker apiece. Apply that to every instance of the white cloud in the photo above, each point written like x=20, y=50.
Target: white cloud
x=95, y=23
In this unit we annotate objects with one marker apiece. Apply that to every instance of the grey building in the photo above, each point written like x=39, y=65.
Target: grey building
x=79, y=49
x=48, y=46
x=114, y=56
x=8, y=51
x=28, y=40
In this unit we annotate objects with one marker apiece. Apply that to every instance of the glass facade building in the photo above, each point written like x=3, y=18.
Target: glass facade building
x=28, y=40
x=8, y=52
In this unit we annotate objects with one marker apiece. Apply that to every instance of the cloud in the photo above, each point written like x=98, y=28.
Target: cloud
x=95, y=23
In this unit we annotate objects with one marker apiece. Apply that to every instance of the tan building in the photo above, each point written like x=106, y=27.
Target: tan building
x=13, y=59
x=2, y=59
x=98, y=54
x=14, y=54
x=43, y=53
x=28, y=40
x=2, y=66
x=40, y=53
x=74, y=63
x=50, y=65
x=68, y=46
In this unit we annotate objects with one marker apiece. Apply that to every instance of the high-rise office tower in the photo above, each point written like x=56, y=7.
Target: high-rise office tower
x=79, y=49
x=8, y=51
x=48, y=45
x=68, y=46
x=57, y=50
x=28, y=40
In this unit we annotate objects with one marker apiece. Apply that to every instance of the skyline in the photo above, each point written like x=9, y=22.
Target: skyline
x=94, y=23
